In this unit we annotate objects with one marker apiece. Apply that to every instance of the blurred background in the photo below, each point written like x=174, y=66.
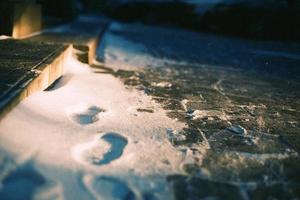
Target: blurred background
x=258, y=19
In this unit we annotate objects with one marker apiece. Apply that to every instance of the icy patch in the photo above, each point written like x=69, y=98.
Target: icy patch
x=210, y=114
x=238, y=130
x=107, y=188
x=162, y=84
x=84, y=114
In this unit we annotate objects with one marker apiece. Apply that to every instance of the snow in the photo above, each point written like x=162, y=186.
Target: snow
x=90, y=137
x=4, y=37
x=163, y=84
x=67, y=130
x=210, y=114
x=120, y=53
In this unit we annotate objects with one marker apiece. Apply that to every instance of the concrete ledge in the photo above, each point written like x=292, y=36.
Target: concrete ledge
x=82, y=33
x=49, y=71
x=33, y=64
x=84, y=47
x=47, y=68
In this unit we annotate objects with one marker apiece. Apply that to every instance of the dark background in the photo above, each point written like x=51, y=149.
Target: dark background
x=277, y=20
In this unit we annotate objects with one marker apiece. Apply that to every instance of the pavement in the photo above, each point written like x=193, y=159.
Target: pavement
x=238, y=98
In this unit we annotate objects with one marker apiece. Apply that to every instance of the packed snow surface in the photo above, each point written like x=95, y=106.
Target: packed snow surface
x=87, y=128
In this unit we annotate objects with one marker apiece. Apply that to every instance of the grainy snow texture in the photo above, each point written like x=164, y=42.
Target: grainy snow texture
x=86, y=132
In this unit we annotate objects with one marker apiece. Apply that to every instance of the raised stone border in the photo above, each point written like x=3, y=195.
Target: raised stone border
x=34, y=63
x=44, y=72
x=84, y=35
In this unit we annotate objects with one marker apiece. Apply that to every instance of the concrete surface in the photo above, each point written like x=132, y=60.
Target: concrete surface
x=238, y=98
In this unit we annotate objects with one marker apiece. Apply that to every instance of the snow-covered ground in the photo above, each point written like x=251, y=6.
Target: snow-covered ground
x=135, y=46
x=86, y=131
x=90, y=136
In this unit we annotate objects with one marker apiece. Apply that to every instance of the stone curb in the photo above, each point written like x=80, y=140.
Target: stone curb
x=40, y=77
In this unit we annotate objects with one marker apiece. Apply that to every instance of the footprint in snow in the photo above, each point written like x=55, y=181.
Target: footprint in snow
x=21, y=183
x=84, y=114
x=108, y=188
x=100, y=151
x=117, y=143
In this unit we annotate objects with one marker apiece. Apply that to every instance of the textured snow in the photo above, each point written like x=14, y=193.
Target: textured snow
x=82, y=126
